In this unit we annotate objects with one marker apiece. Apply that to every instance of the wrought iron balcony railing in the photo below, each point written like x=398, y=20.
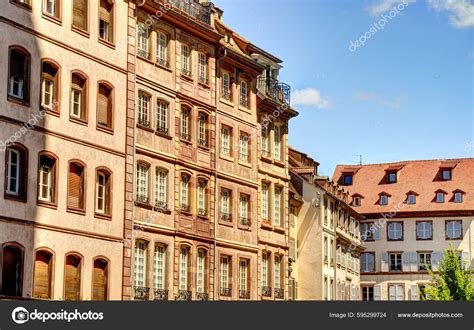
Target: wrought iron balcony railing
x=193, y=9
x=203, y=143
x=279, y=293
x=275, y=90
x=162, y=62
x=142, y=199
x=226, y=292
x=266, y=291
x=160, y=294
x=243, y=294
x=225, y=94
x=162, y=205
x=226, y=217
x=162, y=129
x=245, y=222
x=186, y=136
x=203, y=80
x=143, y=123
x=202, y=296
x=185, y=295
x=141, y=293
x=143, y=53
x=186, y=73
x=202, y=212
x=244, y=101
x=185, y=207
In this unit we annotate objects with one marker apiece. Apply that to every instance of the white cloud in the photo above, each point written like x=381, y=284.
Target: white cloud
x=310, y=97
x=383, y=6
x=380, y=100
x=461, y=12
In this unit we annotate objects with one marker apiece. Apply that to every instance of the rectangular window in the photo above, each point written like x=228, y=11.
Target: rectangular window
x=184, y=193
x=424, y=230
x=278, y=272
x=45, y=177
x=383, y=200
x=106, y=20
x=395, y=231
x=446, y=175
x=244, y=209
x=79, y=13
x=244, y=94
x=162, y=49
x=395, y=262
x=347, y=179
x=201, y=271
x=244, y=147
x=159, y=267
x=102, y=194
x=19, y=75
x=202, y=68
x=13, y=172
x=78, y=99
x=243, y=278
x=424, y=260
x=440, y=197
x=367, y=262
x=277, y=142
x=185, y=60
x=454, y=229
x=183, y=269
x=202, y=131
x=143, y=47
x=161, y=117
x=225, y=204
x=142, y=183
x=392, y=177
x=185, y=133
x=225, y=141
x=396, y=292
x=226, y=85
x=458, y=197
x=265, y=141
x=140, y=264
x=224, y=275
x=411, y=199
x=277, y=207
x=143, y=109
x=161, y=198
x=265, y=201
x=265, y=260
x=202, y=209
x=367, y=293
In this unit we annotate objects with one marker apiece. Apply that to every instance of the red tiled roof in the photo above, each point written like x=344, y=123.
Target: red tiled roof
x=421, y=176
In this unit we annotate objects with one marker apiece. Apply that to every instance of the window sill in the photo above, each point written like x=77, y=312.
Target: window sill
x=245, y=109
x=186, y=77
x=266, y=225
x=187, y=213
x=49, y=205
x=227, y=158
x=227, y=102
x=160, y=210
x=106, y=43
x=78, y=121
x=279, y=163
x=167, y=68
x=148, y=129
x=266, y=159
x=394, y=240
x=51, y=112
x=19, y=101
x=21, y=5
x=75, y=211
x=244, y=163
x=279, y=229
x=144, y=205
x=207, y=149
x=163, y=135
x=187, y=142
x=105, y=129
x=82, y=32
x=226, y=223
x=243, y=227
x=453, y=239
x=10, y=197
x=203, y=217
x=51, y=18
x=101, y=216
x=204, y=85
x=146, y=59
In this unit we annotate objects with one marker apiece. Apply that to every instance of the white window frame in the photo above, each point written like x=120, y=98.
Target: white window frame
x=162, y=47
x=244, y=94
x=161, y=114
x=244, y=147
x=76, y=106
x=265, y=201
x=265, y=268
x=184, y=191
x=451, y=228
x=161, y=188
x=265, y=140
x=43, y=184
x=185, y=116
x=183, y=268
x=243, y=274
x=224, y=272
x=142, y=179
x=398, y=294
x=47, y=93
x=201, y=271
x=225, y=201
x=226, y=83
x=16, y=175
x=143, y=107
x=277, y=206
x=395, y=228
x=143, y=39
x=425, y=227
x=202, y=67
x=202, y=184
x=101, y=193
x=367, y=262
x=225, y=141
x=46, y=4
x=277, y=137
x=159, y=267
x=186, y=59
x=244, y=206
x=140, y=264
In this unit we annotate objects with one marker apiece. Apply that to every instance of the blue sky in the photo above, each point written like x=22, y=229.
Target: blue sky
x=407, y=93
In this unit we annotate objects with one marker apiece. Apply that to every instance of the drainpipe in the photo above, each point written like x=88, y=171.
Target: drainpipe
x=216, y=208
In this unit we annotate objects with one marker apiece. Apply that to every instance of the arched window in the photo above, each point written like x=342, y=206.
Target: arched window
x=184, y=192
x=203, y=134
x=162, y=117
x=12, y=270
x=72, y=277
x=76, y=186
x=43, y=275
x=105, y=106
x=159, y=273
x=103, y=191
x=161, y=189
x=185, y=124
x=144, y=109
x=141, y=288
x=19, y=74
x=106, y=20
x=162, y=49
x=100, y=279
x=49, y=86
x=47, y=178
x=184, y=272
x=185, y=60
x=79, y=97
x=202, y=197
x=16, y=170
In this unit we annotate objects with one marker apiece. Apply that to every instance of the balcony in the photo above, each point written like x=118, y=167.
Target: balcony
x=193, y=9
x=202, y=296
x=226, y=292
x=160, y=294
x=245, y=222
x=184, y=295
x=141, y=293
x=161, y=206
x=243, y=294
x=279, y=293
x=202, y=212
x=277, y=91
x=226, y=217
x=143, y=199
x=185, y=208
x=266, y=291
x=162, y=130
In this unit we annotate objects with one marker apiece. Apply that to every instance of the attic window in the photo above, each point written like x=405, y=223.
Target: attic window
x=447, y=175
x=440, y=196
x=411, y=199
x=356, y=201
x=383, y=200
x=347, y=179
x=458, y=196
x=392, y=177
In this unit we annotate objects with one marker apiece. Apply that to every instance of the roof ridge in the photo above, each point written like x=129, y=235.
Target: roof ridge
x=408, y=161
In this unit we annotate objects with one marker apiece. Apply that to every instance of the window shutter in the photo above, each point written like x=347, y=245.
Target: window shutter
x=435, y=259
x=42, y=276
x=103, y=106
x=414, y=294
x=72, y=278
x=75, y=186
x=406, y=262
x=400, y=292
x=413, y=261
x=105, y=11
x=99, y=282
x=377, y=232
x=384, y=262
x=378, y=292
x=80, y=14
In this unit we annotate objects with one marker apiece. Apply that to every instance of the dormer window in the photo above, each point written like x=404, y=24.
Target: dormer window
x=447, y=175
x=356, y=201
x=347, y=179
x=392, y=177
x=411, y=199
x=440, y=196
x=458, y=196
x=383, y=200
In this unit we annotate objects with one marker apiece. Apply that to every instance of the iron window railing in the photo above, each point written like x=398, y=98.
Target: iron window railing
x=243, y=294
x=279, y=293
x=226, y=292
x=275, y=90
x=202, y=296
x=141, y=293
x=266, y=291
x=193, y=9
x=160, y=294
x=184, y=295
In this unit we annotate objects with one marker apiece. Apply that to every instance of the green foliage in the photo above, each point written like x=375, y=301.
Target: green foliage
x=453, y=281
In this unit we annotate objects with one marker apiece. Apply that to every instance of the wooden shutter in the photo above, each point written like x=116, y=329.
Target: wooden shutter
x=11, y=271
x=42, y=276
x=406, y=261
x=79, y=19
x=414, y=294
x=99, y=281
x=72, y=278
x=75, y=184
x=384, y=260
x=104, y=106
